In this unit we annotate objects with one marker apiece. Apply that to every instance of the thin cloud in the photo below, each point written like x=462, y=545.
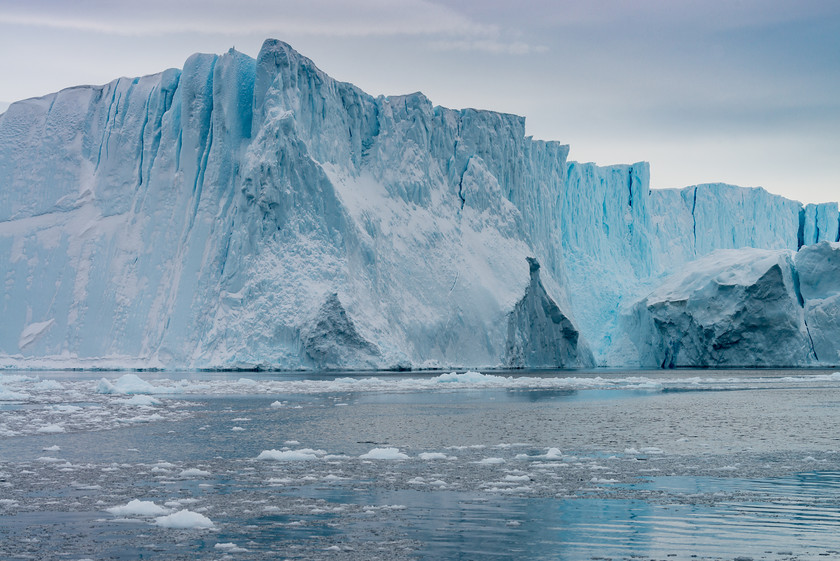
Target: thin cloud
x=319, y=17
x=492, y=46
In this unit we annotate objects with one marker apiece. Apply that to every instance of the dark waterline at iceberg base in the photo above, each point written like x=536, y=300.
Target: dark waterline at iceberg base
x=565, y=465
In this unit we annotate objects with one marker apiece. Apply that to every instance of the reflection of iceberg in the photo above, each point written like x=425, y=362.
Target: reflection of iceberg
x=258, y=213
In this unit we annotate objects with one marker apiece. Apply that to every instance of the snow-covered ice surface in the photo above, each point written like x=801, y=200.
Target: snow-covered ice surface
x=620, y=464
x=245, y=212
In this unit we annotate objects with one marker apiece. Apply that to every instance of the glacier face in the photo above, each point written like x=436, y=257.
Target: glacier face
x=255, y=212
x=240, y=212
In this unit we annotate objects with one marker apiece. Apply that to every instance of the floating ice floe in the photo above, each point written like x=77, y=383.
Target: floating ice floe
x=433, y=456
x=553, y=454
x=230, y=547
x=130, y=384
x=194, y=472
x=384, y=454
x=490, y=461
x=303, y=454
x=51, y=428
x=184, y=520
x=137, y=507
x=141, y=401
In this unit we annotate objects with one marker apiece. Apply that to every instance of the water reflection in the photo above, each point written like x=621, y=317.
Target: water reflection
x=455, y=525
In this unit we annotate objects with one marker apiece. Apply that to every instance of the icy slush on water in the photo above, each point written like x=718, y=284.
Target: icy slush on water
x=541, y=465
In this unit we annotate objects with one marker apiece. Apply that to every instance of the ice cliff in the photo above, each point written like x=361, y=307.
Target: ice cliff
x=242, y=213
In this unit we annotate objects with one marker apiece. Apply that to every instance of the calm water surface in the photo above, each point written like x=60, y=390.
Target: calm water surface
x=527, y=465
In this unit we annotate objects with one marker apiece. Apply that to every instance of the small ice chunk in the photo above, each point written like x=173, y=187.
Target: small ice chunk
x=137, y=508
x=291, y=455
x=433, y=456
x=602, y=481
x=128, y=384
x=230, y=547
x=553, y=454
x=184, y=520
x=518, y=478
x=468, y=377
x=49, y=385
x=384, y=454
x=194, y=472
x=51, y=429
x=490, y=461
x=141, y=401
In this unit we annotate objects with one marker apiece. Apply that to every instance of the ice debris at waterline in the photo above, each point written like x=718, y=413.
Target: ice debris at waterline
x=31, y=407
x=257, y=213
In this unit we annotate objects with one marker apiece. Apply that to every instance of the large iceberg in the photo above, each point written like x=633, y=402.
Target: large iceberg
x=249, y=212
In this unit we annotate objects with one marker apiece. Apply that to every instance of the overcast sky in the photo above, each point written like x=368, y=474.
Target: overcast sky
x=739, y=91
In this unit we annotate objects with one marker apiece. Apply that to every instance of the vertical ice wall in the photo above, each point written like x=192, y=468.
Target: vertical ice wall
x=242, y=212
x=130, y=181
x=619, y=238
x=820, y=223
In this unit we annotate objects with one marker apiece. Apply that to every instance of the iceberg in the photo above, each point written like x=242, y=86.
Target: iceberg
x=256, y=213
x=818, y=273
x=729, y=308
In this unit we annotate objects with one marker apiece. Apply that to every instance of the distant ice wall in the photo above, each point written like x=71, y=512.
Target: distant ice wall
x=820, y=223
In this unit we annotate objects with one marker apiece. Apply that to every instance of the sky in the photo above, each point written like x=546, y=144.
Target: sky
x=738, y=91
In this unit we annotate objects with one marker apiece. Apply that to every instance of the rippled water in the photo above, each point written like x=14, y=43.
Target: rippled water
x=545, y=465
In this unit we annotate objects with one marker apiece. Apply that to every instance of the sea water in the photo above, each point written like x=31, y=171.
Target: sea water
x=561, y=465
